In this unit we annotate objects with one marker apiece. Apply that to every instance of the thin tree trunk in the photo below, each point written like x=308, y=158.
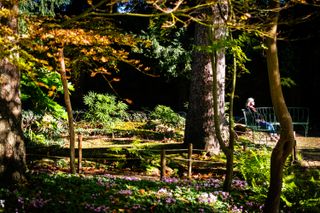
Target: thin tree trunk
x=285, y=145
x=218, y=35
x=69, y=110
x=229, y=152
x=12, y=148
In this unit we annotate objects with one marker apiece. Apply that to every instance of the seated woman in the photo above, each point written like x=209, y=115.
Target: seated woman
x=250, y=105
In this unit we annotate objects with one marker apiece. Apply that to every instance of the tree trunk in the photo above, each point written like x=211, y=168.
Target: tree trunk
x=69, y=111
x=285, y=145
x=200, y=127
x=230, y=150
x=199, y=121
x=12, y=148
x=218, y=35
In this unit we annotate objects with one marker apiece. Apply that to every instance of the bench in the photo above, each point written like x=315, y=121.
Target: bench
x=299, y=115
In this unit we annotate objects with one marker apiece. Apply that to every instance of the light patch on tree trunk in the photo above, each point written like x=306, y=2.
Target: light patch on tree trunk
x=12, y=150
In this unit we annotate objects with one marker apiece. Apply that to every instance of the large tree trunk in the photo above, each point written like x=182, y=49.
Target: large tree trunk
x=12, y=148
x=200, y=126
x=199, y=121
x=285, y=145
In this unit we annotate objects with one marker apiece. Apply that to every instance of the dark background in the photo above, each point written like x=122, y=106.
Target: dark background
x=299, y=59
x=147, y=92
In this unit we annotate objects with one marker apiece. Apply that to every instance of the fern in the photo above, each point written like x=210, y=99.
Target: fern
x=254, y=167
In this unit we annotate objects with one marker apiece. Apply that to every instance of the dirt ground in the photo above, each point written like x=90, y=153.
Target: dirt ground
x=309, y=149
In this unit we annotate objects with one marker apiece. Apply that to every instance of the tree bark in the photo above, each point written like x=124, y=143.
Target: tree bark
x=229, y=152
x=200, y=126
x=12, y=147
x=199, y=121
x=69, y=110
x=218, y=36
x=286, y=142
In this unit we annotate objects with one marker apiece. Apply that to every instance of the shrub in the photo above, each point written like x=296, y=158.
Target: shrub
x=300, y=192
x=43, y=128
x=138, y=116
x=254, y=166
x=167, y=116
x=39, y=89
x=104, y=108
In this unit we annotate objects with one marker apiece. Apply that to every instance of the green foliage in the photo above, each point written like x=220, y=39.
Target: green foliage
x=301, y=189
x=138, y=116
x=39, y=88
x=167, y=116
x=104, y=109
x=42, y=129
x=144, y=159
x=42, y=7
x=171, y=57
x=237, y=50
x=106, y=193
x=254, y=166
x=287, y=82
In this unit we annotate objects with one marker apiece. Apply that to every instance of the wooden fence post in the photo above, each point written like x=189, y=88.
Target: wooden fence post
x=163, y=164
x=244, y=147
x=252, y=136
x=294, y=150
x=79, y=152
x=190, y=160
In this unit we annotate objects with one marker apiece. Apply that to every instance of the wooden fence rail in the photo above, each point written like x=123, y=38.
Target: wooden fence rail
x=188, y=159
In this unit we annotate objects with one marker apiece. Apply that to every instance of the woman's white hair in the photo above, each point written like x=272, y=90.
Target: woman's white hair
x=249, y=100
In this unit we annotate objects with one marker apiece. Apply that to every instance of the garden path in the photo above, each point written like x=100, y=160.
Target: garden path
x=309, y=148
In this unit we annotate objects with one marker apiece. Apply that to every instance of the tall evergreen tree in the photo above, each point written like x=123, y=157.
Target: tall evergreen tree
x=208, y=80
x=12, y=148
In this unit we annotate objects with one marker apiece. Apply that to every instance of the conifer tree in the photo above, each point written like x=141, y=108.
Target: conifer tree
x=12, y=148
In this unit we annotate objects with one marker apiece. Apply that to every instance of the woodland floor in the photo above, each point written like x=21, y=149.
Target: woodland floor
x=307, y=147
x=308, y=150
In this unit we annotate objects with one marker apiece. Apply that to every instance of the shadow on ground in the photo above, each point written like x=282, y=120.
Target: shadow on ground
x=309, y=149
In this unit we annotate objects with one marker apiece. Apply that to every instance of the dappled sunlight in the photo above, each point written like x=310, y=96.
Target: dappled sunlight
x=112, y=193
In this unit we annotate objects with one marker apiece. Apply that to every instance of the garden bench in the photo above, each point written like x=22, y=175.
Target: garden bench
x=299, y=115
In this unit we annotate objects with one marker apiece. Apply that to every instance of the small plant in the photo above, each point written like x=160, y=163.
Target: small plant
x=43, y=128
x=300, y=190
x=138, y=116
x=104, y=109
x=254, y=166
x=167, y=116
